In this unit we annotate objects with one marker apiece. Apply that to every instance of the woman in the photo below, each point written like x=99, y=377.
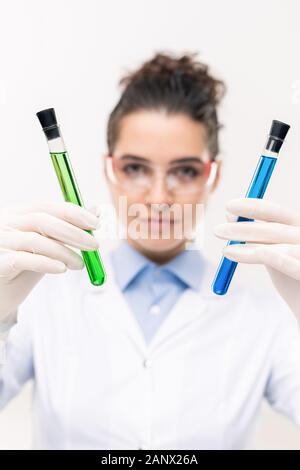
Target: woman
x=152, y=359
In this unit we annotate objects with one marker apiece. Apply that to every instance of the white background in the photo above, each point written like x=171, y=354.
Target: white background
x=70, y=54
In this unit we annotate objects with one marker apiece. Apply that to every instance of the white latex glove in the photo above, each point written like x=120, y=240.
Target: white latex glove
x=32, y=243
x=273, y=239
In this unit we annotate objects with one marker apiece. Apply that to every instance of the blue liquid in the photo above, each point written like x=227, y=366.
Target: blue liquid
x=256, y=189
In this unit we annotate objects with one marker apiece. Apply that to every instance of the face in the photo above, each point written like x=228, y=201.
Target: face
x=150, y=144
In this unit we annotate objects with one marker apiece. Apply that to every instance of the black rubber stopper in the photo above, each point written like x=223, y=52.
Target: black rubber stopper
x=48, y=122
x=277, y=135
x=279, y=129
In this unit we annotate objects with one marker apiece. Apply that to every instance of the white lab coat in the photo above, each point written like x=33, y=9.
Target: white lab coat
x=198, y=385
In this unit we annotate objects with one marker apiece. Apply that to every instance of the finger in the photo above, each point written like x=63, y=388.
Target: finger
x=95, y=209
x=230, y=217
x=256, y=208
x=54, y=227
x=263, y=232
x=13, y=263
x=72, y=213
x=282, y=260
x=33, y=242
x=249, y=253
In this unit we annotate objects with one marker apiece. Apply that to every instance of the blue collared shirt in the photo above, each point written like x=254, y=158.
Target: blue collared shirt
x=151, y=289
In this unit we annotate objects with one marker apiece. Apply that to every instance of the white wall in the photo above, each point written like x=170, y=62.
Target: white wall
x=69, y=54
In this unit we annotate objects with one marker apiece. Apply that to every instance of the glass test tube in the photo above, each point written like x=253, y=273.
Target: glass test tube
x=69, y=186
x=257, y=188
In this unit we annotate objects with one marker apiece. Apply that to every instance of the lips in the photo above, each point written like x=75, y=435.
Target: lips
x=159, y=221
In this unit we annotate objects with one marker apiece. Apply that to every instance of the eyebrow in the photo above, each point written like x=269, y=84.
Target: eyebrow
x=177, y=160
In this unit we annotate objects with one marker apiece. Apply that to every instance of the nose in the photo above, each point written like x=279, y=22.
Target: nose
x=158, y=193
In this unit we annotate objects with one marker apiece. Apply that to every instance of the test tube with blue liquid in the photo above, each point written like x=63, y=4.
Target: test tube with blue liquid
x=257, y=188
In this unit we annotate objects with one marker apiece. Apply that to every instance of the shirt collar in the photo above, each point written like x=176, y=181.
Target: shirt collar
x=127, y=262
x=188, y=266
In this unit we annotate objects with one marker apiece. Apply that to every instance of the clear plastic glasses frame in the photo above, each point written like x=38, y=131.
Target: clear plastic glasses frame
x=141, y=180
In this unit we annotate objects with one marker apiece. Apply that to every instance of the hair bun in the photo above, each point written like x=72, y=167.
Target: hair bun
x=185, y=68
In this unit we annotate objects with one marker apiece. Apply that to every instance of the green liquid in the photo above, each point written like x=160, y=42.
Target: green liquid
x=69, y=187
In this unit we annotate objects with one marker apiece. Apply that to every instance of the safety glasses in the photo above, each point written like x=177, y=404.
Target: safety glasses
x=137, y=175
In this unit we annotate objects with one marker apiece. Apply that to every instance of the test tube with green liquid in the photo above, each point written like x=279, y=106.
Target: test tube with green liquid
x=69, y=186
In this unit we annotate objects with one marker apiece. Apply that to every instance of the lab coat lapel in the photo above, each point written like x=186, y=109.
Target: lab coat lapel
x=188, y=308
x=108, y=304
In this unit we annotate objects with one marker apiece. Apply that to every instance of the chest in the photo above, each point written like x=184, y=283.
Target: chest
x=106, y=387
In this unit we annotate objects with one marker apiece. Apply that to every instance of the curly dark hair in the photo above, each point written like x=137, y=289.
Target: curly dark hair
x=176, y=84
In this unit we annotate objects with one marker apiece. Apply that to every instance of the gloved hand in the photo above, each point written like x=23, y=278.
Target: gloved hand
x=273, y=239
x=32, y=243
